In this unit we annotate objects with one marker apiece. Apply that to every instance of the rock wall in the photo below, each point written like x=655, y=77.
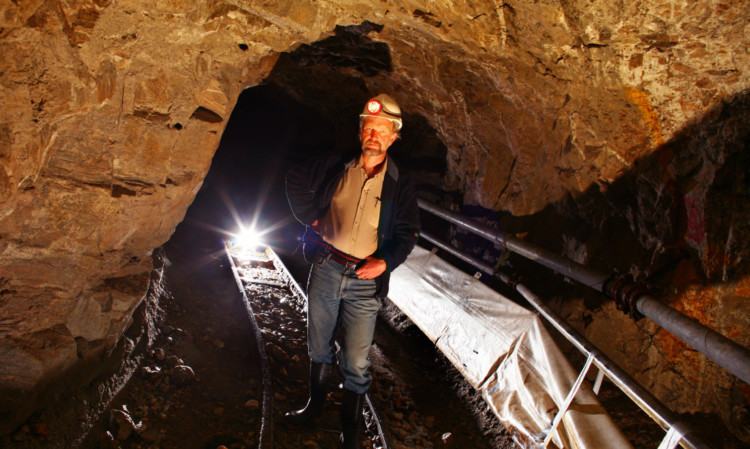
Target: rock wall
x=598, y=110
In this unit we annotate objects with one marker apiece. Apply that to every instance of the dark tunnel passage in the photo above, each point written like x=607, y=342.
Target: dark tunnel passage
x=319, y=114
x=306, y=107
x=267, y=133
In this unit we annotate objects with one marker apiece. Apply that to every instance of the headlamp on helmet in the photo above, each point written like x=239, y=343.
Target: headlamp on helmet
x=383, y=106
x=374, y=106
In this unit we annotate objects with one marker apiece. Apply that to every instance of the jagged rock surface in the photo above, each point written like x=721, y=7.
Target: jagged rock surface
x=630, y=116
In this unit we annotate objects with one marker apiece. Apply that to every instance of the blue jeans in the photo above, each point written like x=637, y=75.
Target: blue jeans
x=337, y=299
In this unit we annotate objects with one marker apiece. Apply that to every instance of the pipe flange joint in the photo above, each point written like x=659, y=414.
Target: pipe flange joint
x=625, y=292
x=514, y=280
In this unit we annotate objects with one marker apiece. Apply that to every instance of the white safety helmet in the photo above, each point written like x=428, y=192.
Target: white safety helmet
x=383, y=106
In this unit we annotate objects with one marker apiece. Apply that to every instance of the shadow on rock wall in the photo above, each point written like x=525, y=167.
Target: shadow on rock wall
x=686, y=201
x=678, y=220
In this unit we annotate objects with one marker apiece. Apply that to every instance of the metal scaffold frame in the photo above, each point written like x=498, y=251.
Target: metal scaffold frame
x=728, y=354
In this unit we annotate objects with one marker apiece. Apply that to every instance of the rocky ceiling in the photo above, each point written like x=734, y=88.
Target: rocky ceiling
x=626, y=121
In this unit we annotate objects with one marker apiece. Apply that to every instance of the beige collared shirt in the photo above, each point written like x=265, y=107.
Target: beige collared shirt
x=351, y=223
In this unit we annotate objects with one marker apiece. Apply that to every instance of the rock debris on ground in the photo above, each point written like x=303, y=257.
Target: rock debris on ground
x=200, y=385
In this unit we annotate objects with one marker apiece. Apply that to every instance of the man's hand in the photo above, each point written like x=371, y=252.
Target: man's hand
x=371, y=268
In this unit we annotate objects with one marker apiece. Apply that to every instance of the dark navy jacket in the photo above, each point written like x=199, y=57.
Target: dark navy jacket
x=310, y=187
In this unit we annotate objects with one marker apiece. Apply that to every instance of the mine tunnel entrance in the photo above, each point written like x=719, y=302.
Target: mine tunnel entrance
x=268, y=132
x=308, y=105
x=200, y=374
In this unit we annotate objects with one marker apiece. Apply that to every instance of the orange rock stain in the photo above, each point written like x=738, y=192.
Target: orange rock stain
x=641, y=101
x=695, y=301
x=743, y=287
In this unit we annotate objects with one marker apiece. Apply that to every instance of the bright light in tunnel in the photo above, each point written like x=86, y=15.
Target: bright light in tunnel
x=248, y=239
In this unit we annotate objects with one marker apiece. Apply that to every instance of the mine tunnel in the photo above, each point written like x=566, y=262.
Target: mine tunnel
x=137, y=140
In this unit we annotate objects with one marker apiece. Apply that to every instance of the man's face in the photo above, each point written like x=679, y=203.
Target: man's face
x=376, y=135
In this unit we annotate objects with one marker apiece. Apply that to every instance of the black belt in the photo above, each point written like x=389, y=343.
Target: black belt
x=335, y=255
x=342, y=259
x=345, y=261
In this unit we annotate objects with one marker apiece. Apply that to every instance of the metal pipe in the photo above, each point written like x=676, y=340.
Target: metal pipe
x=477, y=263
x=645, y=400
x=549, y=259
x=733, y=357
x=728, y=354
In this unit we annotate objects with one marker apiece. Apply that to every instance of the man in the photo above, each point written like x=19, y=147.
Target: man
x=364, y=218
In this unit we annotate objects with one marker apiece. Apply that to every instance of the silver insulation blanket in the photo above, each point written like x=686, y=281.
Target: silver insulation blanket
x=503, y=350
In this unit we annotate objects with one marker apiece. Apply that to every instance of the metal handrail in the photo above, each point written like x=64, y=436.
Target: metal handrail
x=725, y=352
x=642, y=397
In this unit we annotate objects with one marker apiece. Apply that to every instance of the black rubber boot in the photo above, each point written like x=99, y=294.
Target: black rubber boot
x=351, y=413
x=320, y=374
